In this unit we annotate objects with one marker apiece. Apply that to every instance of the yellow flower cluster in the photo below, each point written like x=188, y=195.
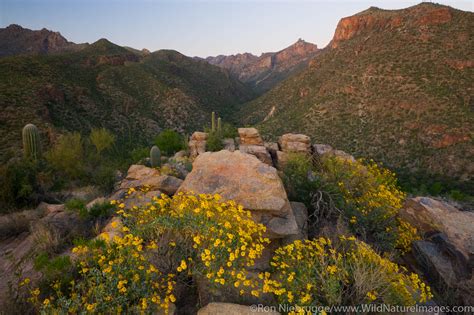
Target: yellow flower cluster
x=111, y=277
x=373, y=201
x=316, y=272
x=216, y=240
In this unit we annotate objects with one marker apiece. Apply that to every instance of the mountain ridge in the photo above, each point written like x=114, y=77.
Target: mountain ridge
x=16, y=40
x=395, y=86
x=265, y=71
x=139, y=95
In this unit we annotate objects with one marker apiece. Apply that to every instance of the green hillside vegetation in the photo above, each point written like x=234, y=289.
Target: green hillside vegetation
x=399, y=90
x=105, y=85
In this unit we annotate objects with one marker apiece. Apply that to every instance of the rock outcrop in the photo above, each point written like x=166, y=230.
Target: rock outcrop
x=447, y=253
x=140, y=176
x=248, y=181
x=249, y=136
x=298, y=143
x=197, y=144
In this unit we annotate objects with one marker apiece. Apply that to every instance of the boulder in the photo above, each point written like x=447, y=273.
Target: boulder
x=299, y=143
x=301, y=216
x=196, y=148
x=322, y=149
x=96, y=201
x=249, y=136
x=199, y=136
x=245, y=179
x=140, y=176
x=259, y=151
x=232, y=309
x=437, y=265
x=229, y=144
x=272, y=147
x=429, y=215
x=343, y=155
x=179, y=155
x=446, y=254
x=197, y=144
x=281, y=159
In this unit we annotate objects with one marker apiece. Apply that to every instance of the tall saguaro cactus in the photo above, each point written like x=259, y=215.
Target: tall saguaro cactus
x=31, y=142
x=155, y=156
x=213, y=121
x=219, y=124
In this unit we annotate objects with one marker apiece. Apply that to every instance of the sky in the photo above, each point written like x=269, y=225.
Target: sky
x=195, y=27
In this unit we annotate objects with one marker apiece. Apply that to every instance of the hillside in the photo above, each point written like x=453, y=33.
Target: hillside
x=135, y=96
x=16, y=40
x=396, y=86
x=265, y=71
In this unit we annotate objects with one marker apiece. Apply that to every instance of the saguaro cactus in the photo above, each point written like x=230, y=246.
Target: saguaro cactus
x=213, y=121
x=31, y=142
x=219, y=124
x=155, y=156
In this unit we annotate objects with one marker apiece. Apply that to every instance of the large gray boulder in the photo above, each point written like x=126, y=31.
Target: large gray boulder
x=446, y=255
x=429, y=215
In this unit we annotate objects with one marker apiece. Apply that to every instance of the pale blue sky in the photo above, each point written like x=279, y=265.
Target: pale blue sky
x=195, y=28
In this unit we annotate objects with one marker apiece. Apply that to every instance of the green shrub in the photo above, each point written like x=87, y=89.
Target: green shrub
x=104, y=178
x=78, y=206
x=296, y=178
x=67, y=155
x=214, y=141
x=102, y=139
x=52, y=268
x=18, y=184
x=139, y=154
x=100, y=210
x=169, y=142
x=228, y=131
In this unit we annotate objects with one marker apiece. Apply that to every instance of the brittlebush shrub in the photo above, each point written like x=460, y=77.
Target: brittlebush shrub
x=316, y=272
x=372, y=202
x=165, y=241
x=113, y=278
x=365, y=194
x=203, y=236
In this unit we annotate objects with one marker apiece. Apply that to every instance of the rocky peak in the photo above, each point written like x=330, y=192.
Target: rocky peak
x=376, y=20
x=15, y=40
x=269, y=68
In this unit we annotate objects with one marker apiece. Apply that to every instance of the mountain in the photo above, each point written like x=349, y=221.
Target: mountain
x=134, y=95
x=16, y=40
x=396, y=86
x=264, y=72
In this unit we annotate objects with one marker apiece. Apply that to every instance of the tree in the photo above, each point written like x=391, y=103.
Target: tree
x=102, y=139
x=67, y=155
x=169, y=142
